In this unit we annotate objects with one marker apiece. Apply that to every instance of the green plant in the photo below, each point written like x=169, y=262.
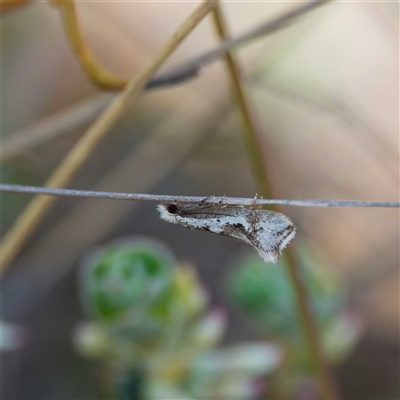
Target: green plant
x=151, y=328
x=265, y=295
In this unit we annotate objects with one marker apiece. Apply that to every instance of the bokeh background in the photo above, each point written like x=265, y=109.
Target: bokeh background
x=325, y=94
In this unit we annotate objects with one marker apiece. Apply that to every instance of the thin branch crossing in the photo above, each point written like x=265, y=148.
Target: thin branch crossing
x=240, y=201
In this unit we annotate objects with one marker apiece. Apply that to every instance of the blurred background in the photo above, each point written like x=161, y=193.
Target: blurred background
x=325, y=94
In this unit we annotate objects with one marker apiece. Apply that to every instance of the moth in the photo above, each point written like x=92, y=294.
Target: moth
x=267, y=231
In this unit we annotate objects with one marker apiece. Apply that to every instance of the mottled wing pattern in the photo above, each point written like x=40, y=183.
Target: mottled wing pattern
x=270, y=234
x=267, y=231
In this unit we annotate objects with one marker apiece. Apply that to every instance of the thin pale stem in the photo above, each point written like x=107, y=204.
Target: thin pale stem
x=268, y=27
x=233, y=201
x=48, y=128
x=264, y=186
x=26, y=223
x=185, y=71
x=249, y=134
x=98, y=75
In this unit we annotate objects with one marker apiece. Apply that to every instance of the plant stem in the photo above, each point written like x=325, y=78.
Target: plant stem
x=263, y=184
x=161, y=198
x=187, y=70
x=61, y=123
x=26, y=223
x=249, y=134
x=99, y=76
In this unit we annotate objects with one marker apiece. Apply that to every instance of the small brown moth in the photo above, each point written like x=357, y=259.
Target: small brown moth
x=267, y=231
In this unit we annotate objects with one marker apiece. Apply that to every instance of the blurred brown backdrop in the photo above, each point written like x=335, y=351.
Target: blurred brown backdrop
x=325, y=91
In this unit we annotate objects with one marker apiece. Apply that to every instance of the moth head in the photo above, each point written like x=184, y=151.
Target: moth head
x=168, y=212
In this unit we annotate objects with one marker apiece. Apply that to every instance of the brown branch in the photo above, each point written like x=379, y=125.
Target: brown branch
x=99, y=76
x=264, y=186
x=58, y=124
x=180, y=74
x=265, y=28
x=37, y=208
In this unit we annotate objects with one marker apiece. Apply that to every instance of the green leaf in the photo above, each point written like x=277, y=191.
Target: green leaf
x=264, y=292
x=125, y=277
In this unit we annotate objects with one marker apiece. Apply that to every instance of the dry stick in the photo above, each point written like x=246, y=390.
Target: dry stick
x=10, y=5
x=270, y=26
x=249, y=134
x=180, y=74
x=30, y=218
x=263, y=184
x=96, y=73
x=239, y=201
x=56, y=125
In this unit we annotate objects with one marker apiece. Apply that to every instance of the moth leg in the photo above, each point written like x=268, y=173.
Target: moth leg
x=256, y=206
x=221, y=201
x=205, y=200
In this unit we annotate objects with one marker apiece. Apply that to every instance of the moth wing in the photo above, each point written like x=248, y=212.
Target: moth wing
x=222, y=224
x=271, y=235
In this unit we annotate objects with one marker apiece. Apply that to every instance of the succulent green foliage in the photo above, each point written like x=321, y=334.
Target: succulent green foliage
x=141, y=300
x=230, y=373
x=227, y=373
x=125, y=277
x=151, y=325
x=265, y=293
x=343, y=335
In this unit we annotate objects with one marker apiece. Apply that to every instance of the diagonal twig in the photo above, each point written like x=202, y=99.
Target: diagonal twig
x=265, y=28
x=36, y=209
x=93, y=69
x=189, y=69
x=58, y=124
x=262, y=177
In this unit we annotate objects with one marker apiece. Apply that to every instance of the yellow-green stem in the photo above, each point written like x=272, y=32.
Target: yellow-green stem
x=29, y=219
x=263, y=184
x=99, y=76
